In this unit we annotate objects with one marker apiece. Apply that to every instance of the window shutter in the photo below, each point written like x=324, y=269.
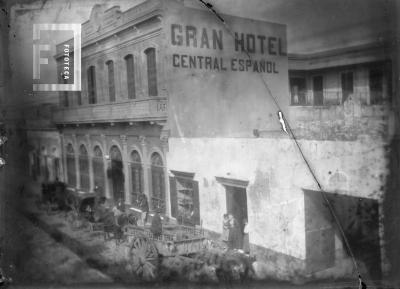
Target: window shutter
x=150, y=176
x=173, y=197
x=91, y=78
x=111, y=82
x=196, y=203
x=151, y=71
x=130, y=74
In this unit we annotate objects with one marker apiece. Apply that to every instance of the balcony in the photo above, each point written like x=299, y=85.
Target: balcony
x=154, y=109
x=334, y=119
x=331, y=98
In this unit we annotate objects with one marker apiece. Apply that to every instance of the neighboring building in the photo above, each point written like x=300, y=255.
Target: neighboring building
x=171, y=106
x=342, y=99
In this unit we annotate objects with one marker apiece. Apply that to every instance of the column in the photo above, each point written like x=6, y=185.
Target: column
x=106, y=164
x=76, y=153
x=125, y=162
x=90, y=156
x=63, y=160
x=164, y=145
x=146, y=168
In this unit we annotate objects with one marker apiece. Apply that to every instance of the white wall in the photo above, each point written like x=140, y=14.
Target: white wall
x=276, y=175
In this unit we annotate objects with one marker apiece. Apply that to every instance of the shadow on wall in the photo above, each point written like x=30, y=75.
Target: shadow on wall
x=391, y=209
x=359, y=218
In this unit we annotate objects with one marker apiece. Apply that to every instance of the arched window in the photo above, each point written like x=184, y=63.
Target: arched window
x=111, y=81
x=157, y=182
x=84, y=168
x=136, y=175
x=71, y=173
x=151, y=71
x=130, y=76
x=98, y=170
x=91, y=82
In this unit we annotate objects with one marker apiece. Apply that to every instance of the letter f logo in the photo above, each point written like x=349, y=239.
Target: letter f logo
x=37, y=61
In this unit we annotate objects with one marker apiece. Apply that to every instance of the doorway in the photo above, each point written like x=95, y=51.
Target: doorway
x=347, y=85
x=318, y=90
x=117, y=174
x=236, y=204
x=56, y=166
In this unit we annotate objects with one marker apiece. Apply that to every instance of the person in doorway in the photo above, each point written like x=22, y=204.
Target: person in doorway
x=246, y=243
x=144, y=207
x=235, y=238
x=225, y=230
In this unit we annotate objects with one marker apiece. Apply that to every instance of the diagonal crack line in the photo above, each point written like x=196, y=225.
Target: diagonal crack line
x=284, y=121
x=210, y=7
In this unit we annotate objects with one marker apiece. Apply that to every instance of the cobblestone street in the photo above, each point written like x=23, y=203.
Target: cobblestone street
x=41, y=259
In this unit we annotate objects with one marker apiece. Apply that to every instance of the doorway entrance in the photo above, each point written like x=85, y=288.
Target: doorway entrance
x=347, y=85
x=236, y=204
x=56, y=167
x=318, y=90
x=117, y=174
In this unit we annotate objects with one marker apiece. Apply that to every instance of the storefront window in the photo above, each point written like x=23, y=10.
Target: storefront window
x=185, y=206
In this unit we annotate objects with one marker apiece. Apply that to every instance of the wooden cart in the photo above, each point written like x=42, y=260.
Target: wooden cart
x=147, y=250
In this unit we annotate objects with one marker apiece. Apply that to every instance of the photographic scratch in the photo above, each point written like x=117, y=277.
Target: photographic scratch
x=179, y=128
x=211, y=8
x=282, y=121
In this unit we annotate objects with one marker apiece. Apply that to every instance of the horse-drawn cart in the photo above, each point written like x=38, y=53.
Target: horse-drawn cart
x=146, y=250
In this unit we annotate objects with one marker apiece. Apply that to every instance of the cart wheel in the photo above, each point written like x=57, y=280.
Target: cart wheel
x=144, y=258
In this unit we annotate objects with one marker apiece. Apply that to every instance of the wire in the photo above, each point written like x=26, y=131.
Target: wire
x=209, y=6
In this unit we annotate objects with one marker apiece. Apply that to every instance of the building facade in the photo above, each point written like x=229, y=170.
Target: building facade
x=178, y=107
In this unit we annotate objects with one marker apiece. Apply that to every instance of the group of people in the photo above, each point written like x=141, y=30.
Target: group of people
x=235, y=235
x=116, y=215
x=119, y=208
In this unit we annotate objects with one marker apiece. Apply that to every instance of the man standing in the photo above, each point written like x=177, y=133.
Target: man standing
x=144, y=207
x=235, y=238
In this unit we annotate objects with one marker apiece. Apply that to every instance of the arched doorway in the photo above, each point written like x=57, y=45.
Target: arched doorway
x=56, y=165
x=136, y=175
x=44, y=164
x=71, y=170
x=117, y=173
x=158, y=183
x=84, y=168
x=98, y=170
